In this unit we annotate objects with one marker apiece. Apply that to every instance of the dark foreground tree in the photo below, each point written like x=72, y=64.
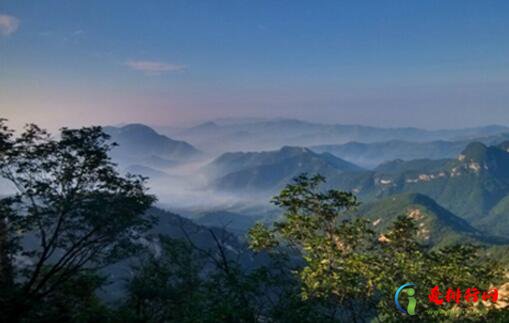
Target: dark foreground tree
x=189, y=284
x=70, y=213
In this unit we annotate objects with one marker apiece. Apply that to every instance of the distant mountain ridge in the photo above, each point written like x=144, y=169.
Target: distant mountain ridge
x=273, y=133
x=474, y=185
x=270, y=170
x=370, y=155
x=138, y=143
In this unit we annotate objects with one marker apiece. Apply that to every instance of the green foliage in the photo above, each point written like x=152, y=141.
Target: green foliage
x=73, y=210
x=437, y=226
x=261, y=238
x=354, y=273
x=166, y=288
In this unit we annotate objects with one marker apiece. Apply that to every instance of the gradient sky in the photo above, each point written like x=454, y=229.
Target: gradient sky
x=433, y=64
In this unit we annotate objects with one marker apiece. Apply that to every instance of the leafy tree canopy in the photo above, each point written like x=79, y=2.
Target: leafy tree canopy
x=352, y=271
x=72, y=212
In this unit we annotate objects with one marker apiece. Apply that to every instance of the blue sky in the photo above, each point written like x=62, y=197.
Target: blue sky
x=433, y=64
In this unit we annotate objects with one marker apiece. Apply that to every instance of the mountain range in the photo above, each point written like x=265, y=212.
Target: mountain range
x=459, y=177
x=370, y=155
x=271, y=170
x=270, y=134
x=474, y=186
x=140, y=144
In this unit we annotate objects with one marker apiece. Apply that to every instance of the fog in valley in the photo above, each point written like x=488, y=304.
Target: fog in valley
x=226, y=172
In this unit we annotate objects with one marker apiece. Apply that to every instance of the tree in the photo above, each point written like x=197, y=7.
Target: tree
x=354, y=272
x=166, y=288
x=184, y=285
x=71, y=213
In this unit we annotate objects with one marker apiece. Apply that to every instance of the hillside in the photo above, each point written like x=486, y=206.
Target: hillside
x=271, y=170
x=233, y=222
x=497, y=221
x=138, y=143
x=177, y=227
x=470, y=186
x=474, y=186
x=436, y=225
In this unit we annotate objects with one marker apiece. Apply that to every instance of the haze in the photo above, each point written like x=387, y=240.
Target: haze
x=431, y=64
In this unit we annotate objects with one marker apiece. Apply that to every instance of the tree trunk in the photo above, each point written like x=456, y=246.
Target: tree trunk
x=5, y=264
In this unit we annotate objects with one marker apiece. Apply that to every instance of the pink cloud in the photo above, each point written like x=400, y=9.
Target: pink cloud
x=8, y=25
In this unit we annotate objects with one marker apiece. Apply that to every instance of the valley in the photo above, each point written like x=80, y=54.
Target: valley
x=464, y=173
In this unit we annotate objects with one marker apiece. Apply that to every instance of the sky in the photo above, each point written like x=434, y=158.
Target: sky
x=424, y=63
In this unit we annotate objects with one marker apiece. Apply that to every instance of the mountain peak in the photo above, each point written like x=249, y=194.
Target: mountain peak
x=480, y=153
x=475, y=151
x=268, y=171
x=138, y=140
x=137, y=127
